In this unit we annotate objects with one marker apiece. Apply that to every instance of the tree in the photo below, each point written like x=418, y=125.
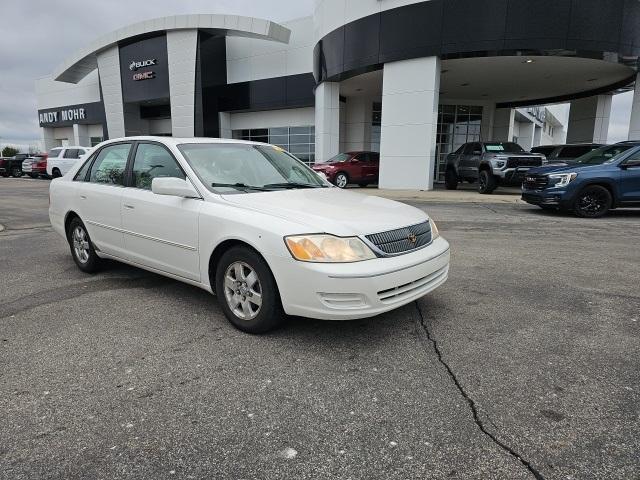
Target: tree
x=9, y=151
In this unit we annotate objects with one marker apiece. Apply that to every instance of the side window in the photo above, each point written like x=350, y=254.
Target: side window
x=110, y=164
x=363, y=157
x=153, y=161
x=375, y=157
x=468, y=149
x=71, y=153
x=81, y=176
x=54, y=153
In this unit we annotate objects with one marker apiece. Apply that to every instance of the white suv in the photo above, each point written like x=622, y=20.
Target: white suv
x=62, y=159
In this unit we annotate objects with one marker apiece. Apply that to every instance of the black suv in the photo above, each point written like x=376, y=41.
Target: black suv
x=491, y=164
x=567, y=154
x=12, y=165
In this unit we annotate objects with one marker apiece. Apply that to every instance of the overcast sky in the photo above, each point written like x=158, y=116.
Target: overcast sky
x=37, y=35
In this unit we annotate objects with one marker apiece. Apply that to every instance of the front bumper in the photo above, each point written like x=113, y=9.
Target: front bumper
x=513, y=176
x=350, y=291
x=545, y=197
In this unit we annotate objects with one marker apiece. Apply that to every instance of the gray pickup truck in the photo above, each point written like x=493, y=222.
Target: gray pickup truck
x=490, y=164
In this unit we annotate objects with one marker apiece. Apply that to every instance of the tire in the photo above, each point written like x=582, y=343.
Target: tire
x=450, y=179
x=55, y=173
x=16, y=172
x=593, y=201
x=341, y=180
x=486, y=182
x=81, y=247
x=244, y=265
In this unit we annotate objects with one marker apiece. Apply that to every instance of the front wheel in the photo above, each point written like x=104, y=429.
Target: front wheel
x=486, y=182
x=592, y=202
x=82, y=249
x=55, y=173
x=247, y=291
x=450, y=179
x=342, y=180
x=16, y=172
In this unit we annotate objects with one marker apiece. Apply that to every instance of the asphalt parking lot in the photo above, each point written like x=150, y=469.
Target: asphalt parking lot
x=526, y=364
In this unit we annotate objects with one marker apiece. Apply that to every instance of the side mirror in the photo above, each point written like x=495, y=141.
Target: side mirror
x=175, y=187
x=355, y=160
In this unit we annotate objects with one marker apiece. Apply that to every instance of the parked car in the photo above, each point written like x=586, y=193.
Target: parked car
x=249, y=222
x=35, y=166
x=62, y=159
x=491, y=164
x=351, y=167
x=606, y=178
x=565, y=154
x=11, y=166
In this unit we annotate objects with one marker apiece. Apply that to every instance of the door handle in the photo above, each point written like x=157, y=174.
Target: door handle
x=83, y=197
x=130, y=207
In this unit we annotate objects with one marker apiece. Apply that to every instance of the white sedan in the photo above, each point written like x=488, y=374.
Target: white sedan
x=249, y=222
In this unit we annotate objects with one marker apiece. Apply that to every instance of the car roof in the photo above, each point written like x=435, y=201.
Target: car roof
x=174, y=141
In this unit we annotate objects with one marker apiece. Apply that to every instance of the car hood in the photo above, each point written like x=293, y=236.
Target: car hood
x=332, y=210
x=560, y=168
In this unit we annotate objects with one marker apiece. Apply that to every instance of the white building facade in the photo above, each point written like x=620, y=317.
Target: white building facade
x=413, y=80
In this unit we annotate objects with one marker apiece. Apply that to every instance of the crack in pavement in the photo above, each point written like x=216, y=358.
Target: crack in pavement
x=472, y=404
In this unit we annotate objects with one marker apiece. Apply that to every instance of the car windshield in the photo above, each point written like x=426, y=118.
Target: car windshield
x=603, y=154
x=508, y=147
x=240, y=168
x=341, y=157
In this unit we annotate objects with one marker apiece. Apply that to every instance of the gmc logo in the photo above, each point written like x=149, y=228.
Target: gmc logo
x=144, y=76
x=133, y=66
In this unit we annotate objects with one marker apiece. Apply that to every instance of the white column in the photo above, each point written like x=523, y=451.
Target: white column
x=503, y=123
x=225, y=125
x=327, y=120
x=634, y=123
x=589, y=119
x=48, y=138
x=81, y=135
x=526, y=135
x=410, y=91
x=109, y=70
x=358, y=124
x=181, y=53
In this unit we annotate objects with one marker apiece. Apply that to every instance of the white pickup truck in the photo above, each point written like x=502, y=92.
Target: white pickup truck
x=62, y=159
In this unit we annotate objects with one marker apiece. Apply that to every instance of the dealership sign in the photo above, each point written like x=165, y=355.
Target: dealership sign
x=85, y=113
x=133, y=66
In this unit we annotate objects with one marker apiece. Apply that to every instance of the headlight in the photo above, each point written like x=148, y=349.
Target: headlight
x=499, y=162
x=435, y=233
x=328, y=249
x=561, y=179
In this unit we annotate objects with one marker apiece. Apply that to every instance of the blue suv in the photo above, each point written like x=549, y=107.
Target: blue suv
x=606, y=178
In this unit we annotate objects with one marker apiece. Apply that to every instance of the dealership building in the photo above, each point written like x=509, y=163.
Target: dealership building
x=411, y=79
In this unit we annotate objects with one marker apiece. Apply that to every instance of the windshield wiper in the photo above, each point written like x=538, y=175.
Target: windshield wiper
x=293, y=185
x=242, y=186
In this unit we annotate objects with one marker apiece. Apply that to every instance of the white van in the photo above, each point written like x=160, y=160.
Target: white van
x=62, y=159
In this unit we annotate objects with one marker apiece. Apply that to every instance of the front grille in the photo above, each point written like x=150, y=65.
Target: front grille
x=535, y=182
x=398, y=241
x=413, y=289
x=515, y=162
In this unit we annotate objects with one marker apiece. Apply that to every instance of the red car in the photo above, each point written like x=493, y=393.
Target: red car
x=351, y=167
x=36, y=165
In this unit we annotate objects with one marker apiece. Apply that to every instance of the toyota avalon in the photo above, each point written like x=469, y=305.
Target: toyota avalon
x=250, y=223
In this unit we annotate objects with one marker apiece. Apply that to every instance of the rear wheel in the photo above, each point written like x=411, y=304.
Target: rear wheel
x=450, y=179
x=486, y=182
x=342, y=180
x=247, y=291
x=592, y=202
x=81, y=247
x=16, y=172
x=55, y=173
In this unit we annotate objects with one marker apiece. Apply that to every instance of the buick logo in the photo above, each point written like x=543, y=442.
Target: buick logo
x=133, y=66
x=412, y=239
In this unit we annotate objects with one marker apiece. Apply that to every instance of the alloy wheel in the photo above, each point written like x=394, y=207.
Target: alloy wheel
x=592, y=203
x=80, y=244
x=242, y=291
x=341, y=180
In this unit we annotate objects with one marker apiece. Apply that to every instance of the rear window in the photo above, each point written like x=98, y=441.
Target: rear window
x=504, y=147
x=575, y=151
x=54, y=152
x=546, y=151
